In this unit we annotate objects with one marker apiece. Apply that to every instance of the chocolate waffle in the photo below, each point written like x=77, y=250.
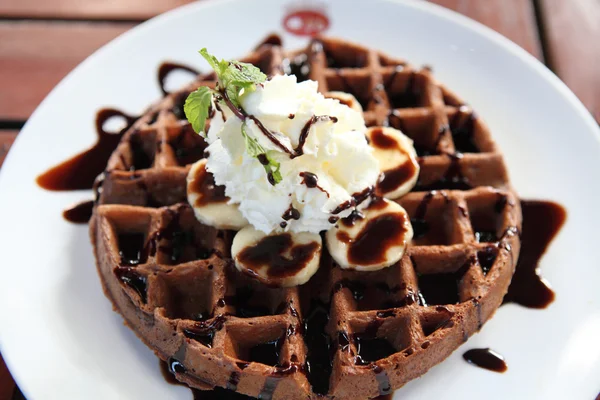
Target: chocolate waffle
x=345, y=334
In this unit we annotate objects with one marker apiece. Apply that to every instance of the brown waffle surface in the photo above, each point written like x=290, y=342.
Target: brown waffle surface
x=345, y=334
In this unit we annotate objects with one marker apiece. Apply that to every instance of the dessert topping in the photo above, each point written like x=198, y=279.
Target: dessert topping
x=209, y=202
x=284, y=259
x=252, y=132
x=397, y=160
x=373, y=240
x=346, y=99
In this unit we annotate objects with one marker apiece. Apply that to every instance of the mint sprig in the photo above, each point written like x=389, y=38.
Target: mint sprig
x=234, y=80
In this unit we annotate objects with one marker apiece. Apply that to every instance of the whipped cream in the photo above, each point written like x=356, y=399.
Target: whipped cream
x=310, y=136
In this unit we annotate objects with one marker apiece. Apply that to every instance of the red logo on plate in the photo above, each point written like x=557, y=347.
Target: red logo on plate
x=306, y=20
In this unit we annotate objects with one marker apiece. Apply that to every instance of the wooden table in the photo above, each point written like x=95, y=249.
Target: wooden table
x=42, y=40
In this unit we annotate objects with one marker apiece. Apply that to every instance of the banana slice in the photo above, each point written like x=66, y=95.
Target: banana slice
x=372, y=239
x=280, y=259
x=397, y=160
x=209, y=201
x=346, y=99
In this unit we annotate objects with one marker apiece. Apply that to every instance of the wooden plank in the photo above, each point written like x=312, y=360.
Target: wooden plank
x=35, y=56
x=572, y=31
x=514, y=19
x=97, y=9
x=6, y=140
x=7, y=385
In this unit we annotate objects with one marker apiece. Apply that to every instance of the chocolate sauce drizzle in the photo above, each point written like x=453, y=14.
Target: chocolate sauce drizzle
x=209, y=192
x=453, y=179
x=132, y=249
x=356, y=288
x=542, y=220
x=270, y=135
x=248, y=303
x=165, y=69
x=269, y=253
x=79, y=213
x=351, y=219
x=291, y=213
x=418, y=222
x=439, y=289
x=299, y=150
x=372, y=243
x=188, y=147
x=462, y=127
x=319, y=356
x=215, y=394
x=380, y=140
x=486, y=358
x=204, y=331
x=393, y=178
x=176, y=240
x=309, y=179
x=370, y=349
x=133, y=279
x=267, y=353
x=312, y=181
x=410, y=97
x=80, y=171
x=357, y=199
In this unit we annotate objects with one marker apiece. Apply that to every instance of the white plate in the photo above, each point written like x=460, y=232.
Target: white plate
x=59, y=335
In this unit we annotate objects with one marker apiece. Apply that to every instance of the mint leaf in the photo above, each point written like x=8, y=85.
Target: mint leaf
x=240, y=76
x=219, y=66
x=244, y=75
x=233, y=95
x=256, y=150
x=197, y=106
x=275, y=169
x=234, y=73
x=252, y=146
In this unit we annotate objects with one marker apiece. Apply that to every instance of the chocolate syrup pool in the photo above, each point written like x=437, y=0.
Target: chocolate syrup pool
x=79, y=213
x=486, y=358
x=80, y=171
x=542, y=221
